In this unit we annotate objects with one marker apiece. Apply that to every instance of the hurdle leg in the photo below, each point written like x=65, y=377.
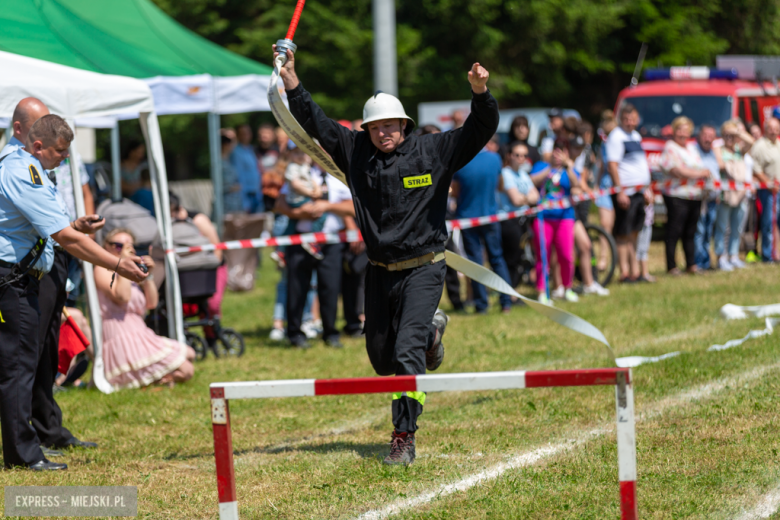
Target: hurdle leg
x=626, y=444
x=223, y=455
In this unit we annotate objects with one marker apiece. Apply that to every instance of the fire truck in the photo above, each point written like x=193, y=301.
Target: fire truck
x=740, y=86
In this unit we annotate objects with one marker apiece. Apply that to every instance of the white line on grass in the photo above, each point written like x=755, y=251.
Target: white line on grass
x=765, y=507
x=518, y=461
x=531, y=457
x=370, y=418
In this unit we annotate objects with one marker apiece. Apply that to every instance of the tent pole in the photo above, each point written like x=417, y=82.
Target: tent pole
x=159, y=178
x=116, y=164
x=215, y=151
x=95, y=319
x=7, y=133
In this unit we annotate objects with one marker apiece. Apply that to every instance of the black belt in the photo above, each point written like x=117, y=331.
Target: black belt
x=35, y=273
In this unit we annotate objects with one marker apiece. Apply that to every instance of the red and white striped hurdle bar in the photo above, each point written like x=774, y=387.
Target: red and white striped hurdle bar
x=221, y=393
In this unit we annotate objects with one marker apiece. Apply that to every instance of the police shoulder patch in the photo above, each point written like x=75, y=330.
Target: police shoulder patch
x=35, y=176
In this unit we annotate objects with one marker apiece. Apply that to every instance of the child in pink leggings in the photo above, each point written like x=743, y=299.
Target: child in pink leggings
x=560, y=235
x=557, y=181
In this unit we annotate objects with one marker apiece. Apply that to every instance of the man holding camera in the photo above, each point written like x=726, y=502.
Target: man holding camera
x=29, y=215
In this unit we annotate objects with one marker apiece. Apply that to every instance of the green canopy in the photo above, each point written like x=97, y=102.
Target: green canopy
x=186, y=73
x=125, y=37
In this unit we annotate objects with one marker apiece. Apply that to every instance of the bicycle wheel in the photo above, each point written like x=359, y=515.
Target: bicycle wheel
x=603, y=254
x=197, y=343
x=230, y=343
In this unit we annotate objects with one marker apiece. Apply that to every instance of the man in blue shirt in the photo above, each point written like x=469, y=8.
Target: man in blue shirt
x=475, y=187
x=47, y=416
x=706, y=224
x=29, y=214
x=244, y=161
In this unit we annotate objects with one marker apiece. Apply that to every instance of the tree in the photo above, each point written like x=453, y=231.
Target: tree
x=571, y=53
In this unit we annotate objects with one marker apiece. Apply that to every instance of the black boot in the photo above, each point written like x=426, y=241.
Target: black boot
x=46, y=465
x=401, y=449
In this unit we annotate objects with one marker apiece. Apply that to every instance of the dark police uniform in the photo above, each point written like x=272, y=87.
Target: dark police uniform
x=46, y=413
x=400, y=203
x=29, y=210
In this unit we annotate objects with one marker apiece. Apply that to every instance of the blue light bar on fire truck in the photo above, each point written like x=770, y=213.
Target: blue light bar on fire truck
x=683, y=73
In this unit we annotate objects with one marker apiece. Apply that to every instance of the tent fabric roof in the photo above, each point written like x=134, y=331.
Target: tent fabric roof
x=69, y=92
x=125, y=37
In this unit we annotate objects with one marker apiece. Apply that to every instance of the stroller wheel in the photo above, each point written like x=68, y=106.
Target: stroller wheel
x=230, y=343
x=197, y=343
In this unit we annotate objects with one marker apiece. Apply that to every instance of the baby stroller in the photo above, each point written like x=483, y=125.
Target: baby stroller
x=197, y=287
x=198, y=282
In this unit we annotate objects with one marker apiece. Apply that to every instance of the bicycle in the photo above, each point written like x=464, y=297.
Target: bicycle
x=603, y=255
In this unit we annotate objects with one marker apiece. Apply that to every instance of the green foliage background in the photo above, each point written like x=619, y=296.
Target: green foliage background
x=572, y=53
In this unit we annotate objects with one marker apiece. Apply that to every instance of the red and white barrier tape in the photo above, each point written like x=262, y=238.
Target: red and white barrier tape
x=289, y=240
x=466, y=223
x=355, y=236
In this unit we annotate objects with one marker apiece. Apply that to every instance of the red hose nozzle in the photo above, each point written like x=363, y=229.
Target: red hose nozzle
x=295, y=19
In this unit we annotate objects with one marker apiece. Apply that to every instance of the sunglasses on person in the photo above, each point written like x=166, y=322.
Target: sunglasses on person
x=729, y=136
x=119, y=246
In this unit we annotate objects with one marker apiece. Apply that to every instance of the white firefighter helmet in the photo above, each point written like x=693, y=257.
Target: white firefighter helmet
x=385, y=106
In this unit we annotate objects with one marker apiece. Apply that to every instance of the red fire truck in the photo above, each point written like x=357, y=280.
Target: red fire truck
x=740, y=86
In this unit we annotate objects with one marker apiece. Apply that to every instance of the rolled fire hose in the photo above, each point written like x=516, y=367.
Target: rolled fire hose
x=473, y=271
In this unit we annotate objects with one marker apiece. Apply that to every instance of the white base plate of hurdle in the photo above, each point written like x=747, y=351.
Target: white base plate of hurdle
x=621, y=378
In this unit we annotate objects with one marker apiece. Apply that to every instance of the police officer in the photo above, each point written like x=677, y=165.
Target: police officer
x=29, y=215
x=47, y=416
x=399, y=182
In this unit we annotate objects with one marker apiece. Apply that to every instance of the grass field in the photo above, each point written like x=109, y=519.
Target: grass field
x=707, y=436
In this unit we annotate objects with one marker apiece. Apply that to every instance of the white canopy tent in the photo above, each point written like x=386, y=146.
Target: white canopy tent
x=201, y=93
x=194, y=94
x=76, y=94
x=198, y=94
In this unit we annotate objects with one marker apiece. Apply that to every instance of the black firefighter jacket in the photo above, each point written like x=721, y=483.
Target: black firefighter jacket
x=400, y=197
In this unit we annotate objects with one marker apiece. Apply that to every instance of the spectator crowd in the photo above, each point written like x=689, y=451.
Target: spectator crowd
x=268, y=181
x=264, y=173
x=549, y=250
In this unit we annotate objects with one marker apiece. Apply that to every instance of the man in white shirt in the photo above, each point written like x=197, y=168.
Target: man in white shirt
x=766, y=169
x=627, y=165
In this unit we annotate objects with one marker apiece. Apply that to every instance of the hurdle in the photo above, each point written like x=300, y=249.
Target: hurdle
x=621, y=378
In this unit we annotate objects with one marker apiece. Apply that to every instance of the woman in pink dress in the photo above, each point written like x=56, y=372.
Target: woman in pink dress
x=133, y=354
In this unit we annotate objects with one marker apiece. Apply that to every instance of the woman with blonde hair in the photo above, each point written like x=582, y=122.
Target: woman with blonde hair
x=733, y=204
x=133, y=354
x=680, y=160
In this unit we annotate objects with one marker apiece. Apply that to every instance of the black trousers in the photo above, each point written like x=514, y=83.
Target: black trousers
x=19, y=353
x=353, y=287
x=682, y=215
x=511, y=234
x=300, y=266
x=399, y=312
x=47, y=416
x=452, y=282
